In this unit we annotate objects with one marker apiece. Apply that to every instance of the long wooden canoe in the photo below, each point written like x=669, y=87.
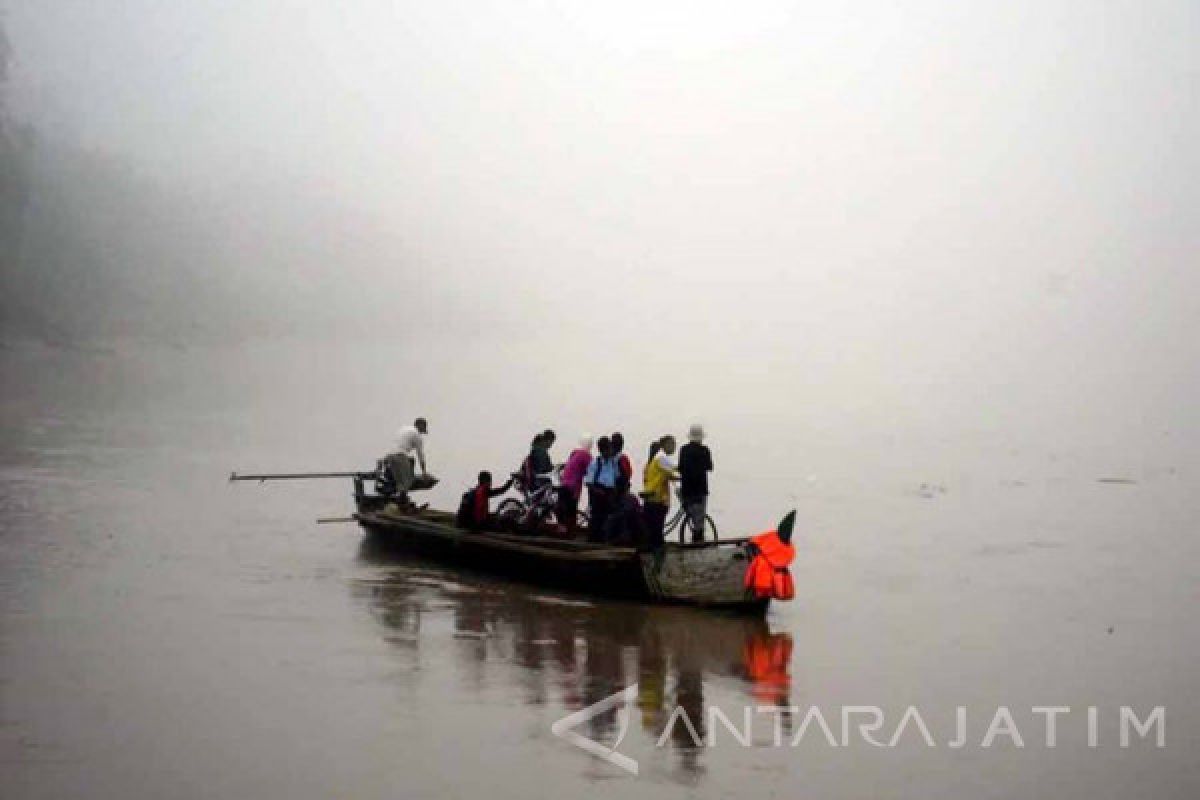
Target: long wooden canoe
x=704, y=574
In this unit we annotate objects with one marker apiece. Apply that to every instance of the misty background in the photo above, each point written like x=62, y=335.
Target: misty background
x=799, y=222
x=927, y=272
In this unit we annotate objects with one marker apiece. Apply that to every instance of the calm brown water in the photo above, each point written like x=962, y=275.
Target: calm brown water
x=166, y=634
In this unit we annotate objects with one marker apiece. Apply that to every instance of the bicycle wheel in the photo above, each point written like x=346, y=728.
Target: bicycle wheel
x=685, y=529
x=509, y=512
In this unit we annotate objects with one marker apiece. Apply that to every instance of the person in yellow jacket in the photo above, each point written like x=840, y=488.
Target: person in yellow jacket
x=660, y=471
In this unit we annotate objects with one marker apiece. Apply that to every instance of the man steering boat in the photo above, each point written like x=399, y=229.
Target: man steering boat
x=398, y=470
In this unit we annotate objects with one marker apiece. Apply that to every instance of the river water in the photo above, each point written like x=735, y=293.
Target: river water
x=165, y=633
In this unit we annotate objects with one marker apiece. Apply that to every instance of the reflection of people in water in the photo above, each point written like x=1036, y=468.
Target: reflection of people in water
x=689, y=695
x=602, y=675
x=574, y=653
x=652, y=682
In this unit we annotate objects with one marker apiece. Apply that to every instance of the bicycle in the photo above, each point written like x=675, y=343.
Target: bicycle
x=537, y=504
x=683, y=521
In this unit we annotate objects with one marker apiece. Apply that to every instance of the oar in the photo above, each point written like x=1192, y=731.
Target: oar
x=293, y=476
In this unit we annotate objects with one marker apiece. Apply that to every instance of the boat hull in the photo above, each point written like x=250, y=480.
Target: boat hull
x=709, y=574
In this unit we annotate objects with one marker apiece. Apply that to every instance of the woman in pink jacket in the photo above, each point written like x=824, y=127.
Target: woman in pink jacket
x=572, y=482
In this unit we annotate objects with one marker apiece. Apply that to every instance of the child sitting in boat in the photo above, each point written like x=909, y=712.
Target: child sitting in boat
x=474, y=513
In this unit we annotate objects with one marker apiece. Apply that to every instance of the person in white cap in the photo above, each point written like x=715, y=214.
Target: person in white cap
x=695, y=462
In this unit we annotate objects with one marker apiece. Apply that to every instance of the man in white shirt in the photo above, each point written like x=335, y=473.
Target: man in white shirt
x=410, y=451
x=410, y=441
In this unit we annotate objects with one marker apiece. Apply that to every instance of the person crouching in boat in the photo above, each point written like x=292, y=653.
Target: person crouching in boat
x=660, y=472
x=601, y=480
x=474, y=512
x=770, y=554
x=624, y=524
x=572, y=483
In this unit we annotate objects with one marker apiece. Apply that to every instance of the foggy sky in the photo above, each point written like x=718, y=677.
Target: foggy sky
x=985, y=208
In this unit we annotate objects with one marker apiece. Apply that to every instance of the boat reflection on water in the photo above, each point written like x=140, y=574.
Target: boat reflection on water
x=574, y=651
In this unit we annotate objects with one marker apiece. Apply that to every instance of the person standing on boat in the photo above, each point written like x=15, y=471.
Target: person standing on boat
x=624, y=465
x=572, y=482
x=474, y=513
x=409, y=452
x=538, y=465
x=601, y=480
x=660, y=472
x=695, y=462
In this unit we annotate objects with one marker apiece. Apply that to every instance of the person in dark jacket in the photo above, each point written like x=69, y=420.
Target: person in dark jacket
x=695, y=462
x=538, y=466
x=474, y=513
x=624, y=524
x=624, y=465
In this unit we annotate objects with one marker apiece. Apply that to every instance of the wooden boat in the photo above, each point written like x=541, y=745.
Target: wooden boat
x=704, y=574
x=709, y=573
